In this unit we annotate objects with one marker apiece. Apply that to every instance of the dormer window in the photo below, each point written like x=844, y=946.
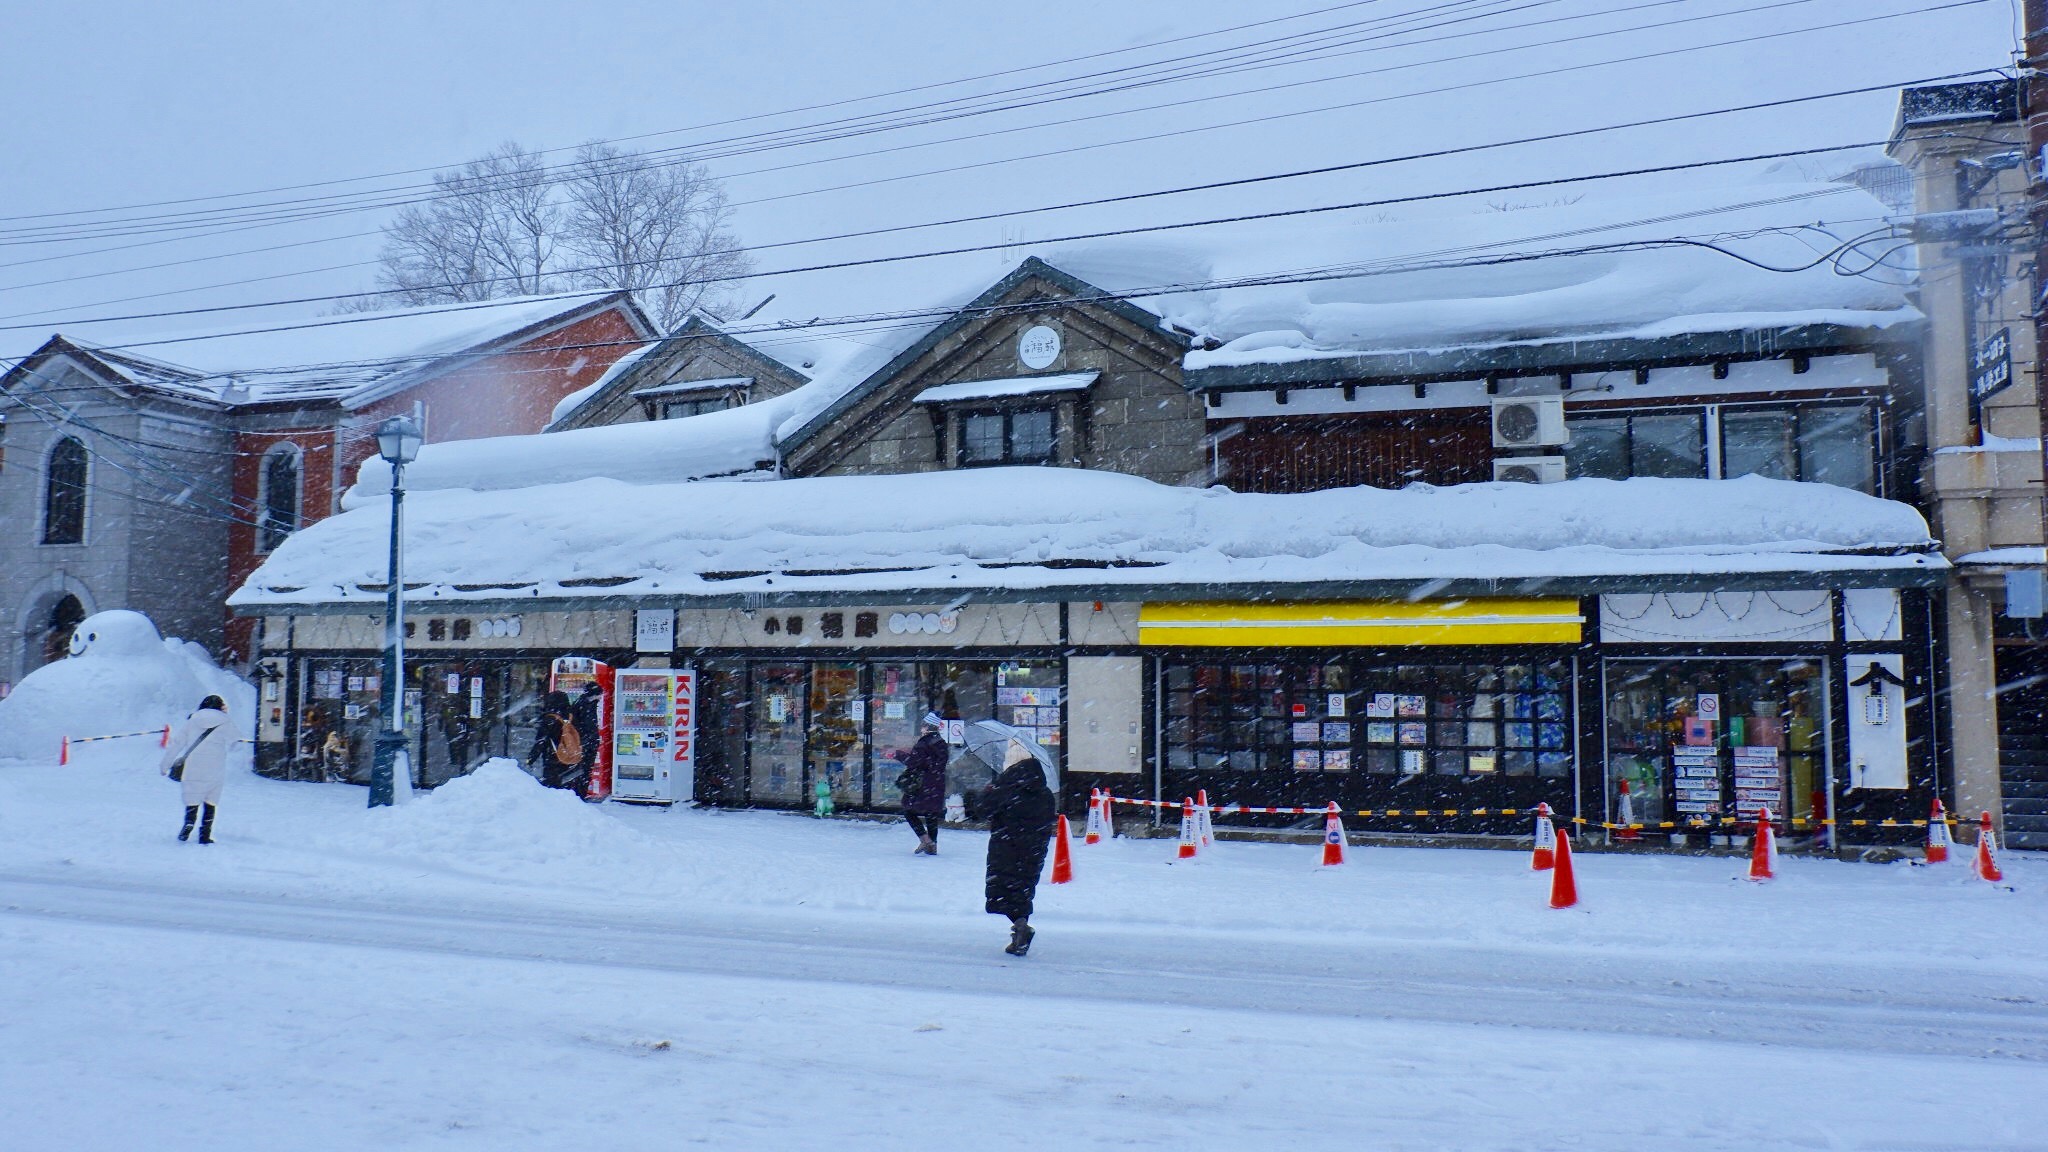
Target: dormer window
x=680, y=398
x=1022, y=436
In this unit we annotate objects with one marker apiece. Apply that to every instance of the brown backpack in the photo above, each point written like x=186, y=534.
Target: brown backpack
x=569, y=749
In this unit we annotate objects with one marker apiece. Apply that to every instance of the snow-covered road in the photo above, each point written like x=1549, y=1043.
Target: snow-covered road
x=496, y=966
x=1851, y=1005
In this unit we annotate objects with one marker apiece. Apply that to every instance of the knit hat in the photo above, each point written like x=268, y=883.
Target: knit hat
x=1016, y=754
x=931, y=720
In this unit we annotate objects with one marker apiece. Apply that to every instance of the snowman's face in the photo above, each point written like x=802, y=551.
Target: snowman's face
x=80, y=638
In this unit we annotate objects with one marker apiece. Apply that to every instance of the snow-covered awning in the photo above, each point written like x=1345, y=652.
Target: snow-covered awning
x=1039, y=533
x=715, y=384
x=1009, y=386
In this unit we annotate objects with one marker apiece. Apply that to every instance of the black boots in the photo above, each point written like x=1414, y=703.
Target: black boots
x=1020, y=937
x=206, y=825
x=191, y=814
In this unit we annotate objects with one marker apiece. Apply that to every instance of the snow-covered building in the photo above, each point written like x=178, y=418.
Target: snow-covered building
x=155, y=472
x=1221, y=512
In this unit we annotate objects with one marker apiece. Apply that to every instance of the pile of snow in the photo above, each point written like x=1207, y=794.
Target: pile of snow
x=970, y=529
x=499, y=818
x=121, y=676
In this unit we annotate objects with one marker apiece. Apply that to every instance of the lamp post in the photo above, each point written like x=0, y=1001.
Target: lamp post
x=398, y=442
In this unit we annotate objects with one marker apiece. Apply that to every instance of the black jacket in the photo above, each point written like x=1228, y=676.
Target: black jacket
x=1021, y=816
x=924, y=776
x=583, y=714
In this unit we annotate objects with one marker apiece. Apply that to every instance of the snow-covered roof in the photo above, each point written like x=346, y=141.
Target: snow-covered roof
x=352, y=358
x=1047, y=530
x=675, y=387
x=1008, y=386
x=1292, y=290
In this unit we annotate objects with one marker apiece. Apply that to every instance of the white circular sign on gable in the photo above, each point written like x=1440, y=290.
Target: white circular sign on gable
x=1039, y=346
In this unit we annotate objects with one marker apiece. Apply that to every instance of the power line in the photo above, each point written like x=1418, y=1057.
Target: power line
x=954, y=251
x=699, y=156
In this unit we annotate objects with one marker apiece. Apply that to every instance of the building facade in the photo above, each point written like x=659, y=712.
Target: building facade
x=1006, y=521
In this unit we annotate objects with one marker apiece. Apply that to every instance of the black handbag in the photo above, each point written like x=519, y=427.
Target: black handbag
x=178, y=769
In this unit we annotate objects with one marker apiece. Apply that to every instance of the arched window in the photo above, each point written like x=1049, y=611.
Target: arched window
x=65, y=616
x=278, y=512
x=64, y=494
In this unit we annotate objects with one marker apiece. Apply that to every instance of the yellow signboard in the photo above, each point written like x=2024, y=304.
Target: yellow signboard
x=1360, y=623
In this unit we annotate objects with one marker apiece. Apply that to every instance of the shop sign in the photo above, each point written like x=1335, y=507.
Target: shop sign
x=1038, y=347
x=1991, y=365
x=654, y=630
x=923, y=623
x=1697, y=808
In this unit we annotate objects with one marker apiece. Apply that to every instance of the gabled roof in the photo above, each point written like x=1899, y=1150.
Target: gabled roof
x=345, y=360
x=133, y=374
x=643, y=366
x=988, y=302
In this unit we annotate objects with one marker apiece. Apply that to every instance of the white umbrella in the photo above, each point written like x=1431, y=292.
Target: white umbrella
x=989, y=741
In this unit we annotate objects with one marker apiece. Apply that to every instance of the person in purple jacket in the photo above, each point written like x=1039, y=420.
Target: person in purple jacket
x=923, y=784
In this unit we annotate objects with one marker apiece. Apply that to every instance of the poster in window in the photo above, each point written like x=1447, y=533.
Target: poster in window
x=355, y=683
x=892, y=710
x=1337, y=760
x=1412, y=762
x=352, y=711
x=1049, y=737
x=1411, y=705
x=1414, y=732
x=1380, y=706
x=1379, y=733
x=1336, y=704
x=1307, y=760
x=1479, y=765
x=1337, y=733
x=1307, y=731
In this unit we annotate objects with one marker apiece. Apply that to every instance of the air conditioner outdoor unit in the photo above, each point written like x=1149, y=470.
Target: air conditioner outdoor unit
x=1528, y=421
x=1529, y=469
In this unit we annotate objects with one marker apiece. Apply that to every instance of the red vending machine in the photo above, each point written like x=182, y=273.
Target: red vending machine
x=571, y=675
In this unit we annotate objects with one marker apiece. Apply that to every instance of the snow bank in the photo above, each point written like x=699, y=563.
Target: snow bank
x=498, y=818
x=1046, y=527
x=121, y=677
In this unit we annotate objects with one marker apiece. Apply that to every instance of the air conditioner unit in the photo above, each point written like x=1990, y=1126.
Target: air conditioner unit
x=1528, y=421
x=1529, y=469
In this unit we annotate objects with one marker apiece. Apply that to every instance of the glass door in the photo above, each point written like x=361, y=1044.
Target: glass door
x=838, y=745
x=897, y=701
x=775, y=751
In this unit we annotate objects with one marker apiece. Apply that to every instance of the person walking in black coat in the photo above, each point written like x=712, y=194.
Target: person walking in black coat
x=1021, y=817
x=585, y=718
x=923, y=784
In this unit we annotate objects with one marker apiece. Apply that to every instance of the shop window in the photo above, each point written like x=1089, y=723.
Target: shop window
x=1025, y=436
x=1464, y=721
x=64, y=485
x=1704, y=740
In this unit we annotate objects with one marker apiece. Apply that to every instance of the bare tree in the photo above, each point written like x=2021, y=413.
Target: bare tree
x=509, y=224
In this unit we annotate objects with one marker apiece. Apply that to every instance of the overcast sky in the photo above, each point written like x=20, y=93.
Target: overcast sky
x=109, y=105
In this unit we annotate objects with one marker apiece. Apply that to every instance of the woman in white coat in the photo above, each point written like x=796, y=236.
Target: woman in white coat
x=202, y=740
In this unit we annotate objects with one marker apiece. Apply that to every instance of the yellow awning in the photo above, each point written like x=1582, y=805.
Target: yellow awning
x=1360, y=623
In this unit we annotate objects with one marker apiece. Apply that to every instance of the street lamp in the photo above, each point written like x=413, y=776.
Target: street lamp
x=398, y=442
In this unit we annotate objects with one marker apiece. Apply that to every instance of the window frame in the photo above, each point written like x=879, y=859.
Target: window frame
x=1009, y=456
x=265, y=543
x=1713, y=426
x=83, y=512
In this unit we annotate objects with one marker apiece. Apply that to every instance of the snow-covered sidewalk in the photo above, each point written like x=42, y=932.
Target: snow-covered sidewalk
x=499, y=966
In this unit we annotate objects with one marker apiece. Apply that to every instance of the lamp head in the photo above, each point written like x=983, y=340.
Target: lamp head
x=398, y=440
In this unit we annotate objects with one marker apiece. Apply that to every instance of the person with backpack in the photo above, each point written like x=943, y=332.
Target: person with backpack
x=923, y=784
x=585, y=717
x=196, y=756
x=557, y=747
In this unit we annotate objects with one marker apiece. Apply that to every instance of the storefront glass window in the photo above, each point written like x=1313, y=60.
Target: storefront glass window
x=1707, y=739
x=838, y=732
x=775, y=748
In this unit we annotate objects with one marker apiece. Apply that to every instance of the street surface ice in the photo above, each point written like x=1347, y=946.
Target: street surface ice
x=498, y=966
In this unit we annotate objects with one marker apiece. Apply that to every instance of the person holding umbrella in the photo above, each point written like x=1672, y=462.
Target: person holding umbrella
x=1021, y=816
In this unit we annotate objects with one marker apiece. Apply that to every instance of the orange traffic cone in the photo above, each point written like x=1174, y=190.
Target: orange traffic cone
x=165, y=740
x=1062, y=855
x=1564, y=888
x=1333, y=837
x=1188, y=847
x=1938, y=839
x=1204, y=830
x=1545, y=853
x=1986, y=865
x=1763, y=848
x=1625, y=815
x=1092, y=833
x=64, y=753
